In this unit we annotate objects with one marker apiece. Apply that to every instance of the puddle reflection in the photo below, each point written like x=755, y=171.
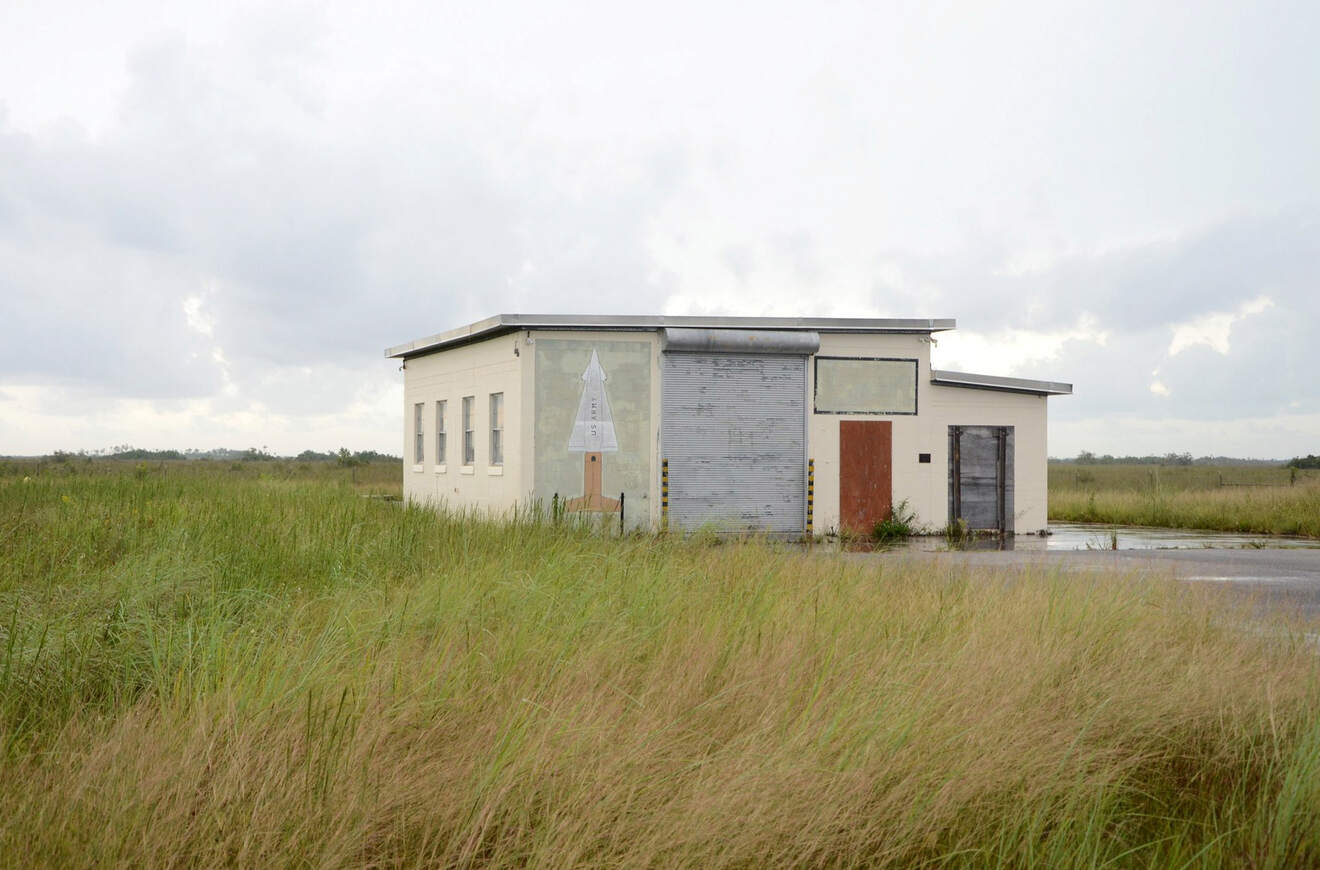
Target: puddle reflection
x=1096, y=536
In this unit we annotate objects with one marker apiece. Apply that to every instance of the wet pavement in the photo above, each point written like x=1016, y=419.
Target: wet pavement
x=1096, y=536
x=1280, y=574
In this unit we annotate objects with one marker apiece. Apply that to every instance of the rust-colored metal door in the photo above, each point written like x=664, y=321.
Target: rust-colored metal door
x=866, y=473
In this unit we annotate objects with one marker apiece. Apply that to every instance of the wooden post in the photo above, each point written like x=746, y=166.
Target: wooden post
x=591, y=499
x=591, y=475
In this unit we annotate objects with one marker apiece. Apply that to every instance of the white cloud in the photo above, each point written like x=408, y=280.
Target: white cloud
x=1252, y=437
x=1158, y=387
x=365, y=413
x=199, y=320
x=1029, y=263
x=1214, y=329
x=228, y=388
x=340, y=177
x=1013, y=351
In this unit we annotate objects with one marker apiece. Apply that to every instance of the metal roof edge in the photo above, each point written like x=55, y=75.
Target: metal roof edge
x=502, y=323
x=969, y=380
x=461, y=335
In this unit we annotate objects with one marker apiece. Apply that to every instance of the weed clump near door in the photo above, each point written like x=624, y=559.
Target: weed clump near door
x=957, y=533
x=899, y=525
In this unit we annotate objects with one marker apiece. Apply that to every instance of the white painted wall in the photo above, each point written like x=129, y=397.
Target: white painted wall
x=962, y=406
x=910, y=479
x=495, y=365
x=489, y=366
x=925, y=486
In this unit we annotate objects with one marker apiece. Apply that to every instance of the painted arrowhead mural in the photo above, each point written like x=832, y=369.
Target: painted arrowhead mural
x=593, y=432
x=593, y=436
x=593, y=429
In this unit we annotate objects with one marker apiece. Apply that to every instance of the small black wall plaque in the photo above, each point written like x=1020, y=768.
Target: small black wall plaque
x=923, y=457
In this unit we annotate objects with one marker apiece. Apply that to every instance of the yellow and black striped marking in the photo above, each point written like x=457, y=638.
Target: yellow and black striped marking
x=664, y=494
x=811, y=496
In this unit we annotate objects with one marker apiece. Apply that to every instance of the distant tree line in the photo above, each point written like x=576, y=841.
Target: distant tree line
x=343, y=456
x=1086, y=457
x=252, y=454
x=1307, y=461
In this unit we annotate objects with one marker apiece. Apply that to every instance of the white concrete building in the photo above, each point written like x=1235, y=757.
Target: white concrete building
x=738, y=414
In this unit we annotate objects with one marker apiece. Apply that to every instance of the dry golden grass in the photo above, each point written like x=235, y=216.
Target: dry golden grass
x=1256, y=500
x=289, y=674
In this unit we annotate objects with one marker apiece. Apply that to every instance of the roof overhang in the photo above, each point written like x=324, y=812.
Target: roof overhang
x=994, y=382
x=765, y=341
x=505, y=323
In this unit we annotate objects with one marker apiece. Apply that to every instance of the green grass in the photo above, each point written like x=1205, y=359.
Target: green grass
x=899, y=525
x=245, y=668
x=1272, y=501
x=373, y=478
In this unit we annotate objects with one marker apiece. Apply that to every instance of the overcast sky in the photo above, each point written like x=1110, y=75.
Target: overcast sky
x=214, y=218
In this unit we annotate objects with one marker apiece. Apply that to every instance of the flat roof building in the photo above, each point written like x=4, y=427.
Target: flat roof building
x=767, y=424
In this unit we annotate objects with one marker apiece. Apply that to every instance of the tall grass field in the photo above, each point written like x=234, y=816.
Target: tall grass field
x=267, y=667
x=1263, y=500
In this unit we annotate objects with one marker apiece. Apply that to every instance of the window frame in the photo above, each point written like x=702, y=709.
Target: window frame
x=496, y=432
x=916, y=385
x=469, y=457
x=419, y=433
x=441, y=409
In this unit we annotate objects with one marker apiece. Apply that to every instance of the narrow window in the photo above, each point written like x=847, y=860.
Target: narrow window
x=419, y=445
x=496, y=428
x=440, y=432
x=469, y=436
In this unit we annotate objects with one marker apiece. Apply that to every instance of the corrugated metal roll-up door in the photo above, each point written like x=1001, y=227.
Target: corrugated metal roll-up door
x=734, y=431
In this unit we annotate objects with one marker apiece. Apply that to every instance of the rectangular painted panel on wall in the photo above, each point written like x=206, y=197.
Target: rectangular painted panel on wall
x=592, y=427
x=866, y=473
x=847, y=385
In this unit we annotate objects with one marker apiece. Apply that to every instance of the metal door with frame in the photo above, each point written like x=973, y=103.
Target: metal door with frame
x=981, y=477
